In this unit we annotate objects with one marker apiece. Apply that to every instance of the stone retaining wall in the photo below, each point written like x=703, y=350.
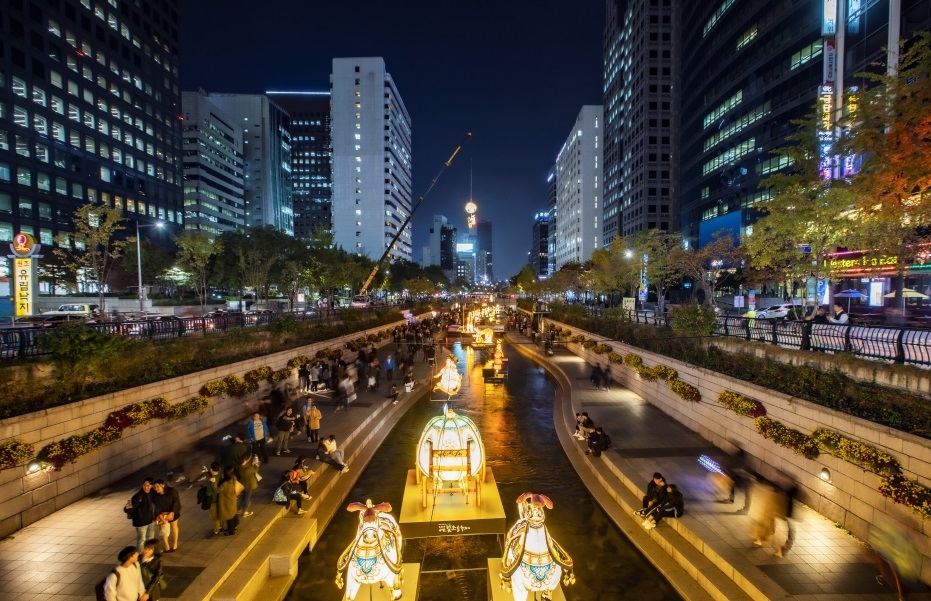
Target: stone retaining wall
x=851, y=498
x=26, y=498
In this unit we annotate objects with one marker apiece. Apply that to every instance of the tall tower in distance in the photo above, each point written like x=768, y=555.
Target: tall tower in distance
x=371, y=138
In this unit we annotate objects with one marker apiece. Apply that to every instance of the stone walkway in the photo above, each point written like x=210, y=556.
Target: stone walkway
x=823, y=563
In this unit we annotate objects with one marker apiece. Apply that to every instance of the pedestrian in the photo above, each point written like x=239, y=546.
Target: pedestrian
x=150, y=565
x=314, y=375
x=141, y=510
x=766, y=502
x=312, y=417
x=248, y=476
x=167, y=513
x=606, y=376
x=389, y=367
x=124, y=583
x=235, y=451
x=303, y=377
x=333, y=453
x=596, y=376
x=347, y=392
x=229, y=491
x=656, y=493
x=213, y=493
x=285, y=426
x=393, y=394
x=258, y=432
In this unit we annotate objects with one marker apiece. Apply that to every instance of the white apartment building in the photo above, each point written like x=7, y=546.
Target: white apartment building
x=579, y=189
x=371, y=136
x=266, y=131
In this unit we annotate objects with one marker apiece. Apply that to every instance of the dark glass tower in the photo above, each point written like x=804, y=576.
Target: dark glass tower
x=90, y=111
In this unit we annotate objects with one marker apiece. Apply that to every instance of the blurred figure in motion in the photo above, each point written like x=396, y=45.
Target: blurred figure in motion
x=898, y=558
x=767, y=502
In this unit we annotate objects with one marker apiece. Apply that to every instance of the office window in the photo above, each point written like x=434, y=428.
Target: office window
x=42, y=152
x=6, y=203
x=55, y=78
x=57, y=105
x=23, y=176
x=20, y=116
x=22, y=147
x=45, y=236
x=38, y=96
x=43, y=182
x=77, y=191
x=74, y=138
x=19, y=87
x=4, y=140
x=4, y=172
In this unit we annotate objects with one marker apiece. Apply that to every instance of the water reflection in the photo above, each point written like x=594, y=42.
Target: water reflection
x=516, y=422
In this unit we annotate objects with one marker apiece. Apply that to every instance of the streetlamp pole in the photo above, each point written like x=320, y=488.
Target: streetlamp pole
x=139, y=268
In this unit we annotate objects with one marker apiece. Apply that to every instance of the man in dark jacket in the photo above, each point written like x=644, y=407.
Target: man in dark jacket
x=672, y=507
x=141, y=510
x=656, y=493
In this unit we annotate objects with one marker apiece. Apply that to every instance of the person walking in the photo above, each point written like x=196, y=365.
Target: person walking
x=248, y=476
x=285, y=425
x=606, y=376
x=124, y=583
x=312, y=418
x=150, y=565
x=258, y=432
x=229, y=490
x=596, y=376
x=141, y=510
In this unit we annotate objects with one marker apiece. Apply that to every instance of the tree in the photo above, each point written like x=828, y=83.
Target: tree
x=196, y=252
x=654, y=250
x=527, y=281
x=613, y=270
x=95, y=248
x=702, y=264
x=805, y=218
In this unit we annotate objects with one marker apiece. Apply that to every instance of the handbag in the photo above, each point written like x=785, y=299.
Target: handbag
x=351, y=398
x=238, y=487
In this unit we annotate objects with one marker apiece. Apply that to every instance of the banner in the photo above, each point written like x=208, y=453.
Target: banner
x=829, y=19
x=24, y=286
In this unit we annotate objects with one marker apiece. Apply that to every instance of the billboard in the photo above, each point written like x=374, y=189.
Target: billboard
x=465, y=247
x=829, y=17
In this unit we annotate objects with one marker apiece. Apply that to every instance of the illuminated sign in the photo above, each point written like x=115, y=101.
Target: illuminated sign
x=863, y=261
x=466, y=247
x=826, y=131
x=23, y=245
x=829, y=18
x=25, y=290
x=830, y=60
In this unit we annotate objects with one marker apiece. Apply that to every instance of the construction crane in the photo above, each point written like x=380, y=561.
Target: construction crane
x=449, y=161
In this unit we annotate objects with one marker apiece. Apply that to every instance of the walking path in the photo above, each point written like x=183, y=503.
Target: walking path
x=61, y=557
x=706, y=554
x=712, y=541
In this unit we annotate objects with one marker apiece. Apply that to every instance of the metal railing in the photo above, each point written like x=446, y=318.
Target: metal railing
x=21, y=342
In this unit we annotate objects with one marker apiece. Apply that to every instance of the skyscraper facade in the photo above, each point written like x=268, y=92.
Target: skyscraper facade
x=266, y=129
x=89, y=113
x=578, y=189
x=213, y=167
x=538, y=257
x=552, y=212
x=750, y=70
x=371, y=159
x=311, y=169
x=640, y=116
x=441, y=250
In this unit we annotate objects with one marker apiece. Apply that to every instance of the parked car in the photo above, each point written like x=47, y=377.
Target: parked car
x=361, y=302
x=75, y=309
x=782, y=311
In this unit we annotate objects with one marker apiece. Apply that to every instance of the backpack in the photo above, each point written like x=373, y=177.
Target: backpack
x=202, y=498
x=99, y=587
x=281, y=497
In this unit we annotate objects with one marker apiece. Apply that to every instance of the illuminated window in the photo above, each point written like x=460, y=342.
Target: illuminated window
x=19, y=88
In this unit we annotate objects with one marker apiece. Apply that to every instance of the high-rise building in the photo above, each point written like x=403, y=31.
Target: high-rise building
x=552, y=212
x=483, y=238
x=578, y=189
x=640, y=116
x=311, y=176
x=89, y=113
x=441, y=251
x=538, y=257
x=266, y=130
x=745, y=79
x=465, y=259
x=213, y=191
x=371, y=159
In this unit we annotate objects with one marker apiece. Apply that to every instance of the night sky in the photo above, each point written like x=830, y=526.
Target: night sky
x=515, y=73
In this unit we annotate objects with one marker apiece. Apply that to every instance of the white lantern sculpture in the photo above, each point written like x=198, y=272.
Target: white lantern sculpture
x=450, y=458
x=375, y=554
x=533, y=561
x=449, y=378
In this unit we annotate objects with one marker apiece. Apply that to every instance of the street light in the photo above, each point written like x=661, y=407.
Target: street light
x=139, y=262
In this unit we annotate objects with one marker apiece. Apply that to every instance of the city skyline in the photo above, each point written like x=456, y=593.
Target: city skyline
x=518, y=122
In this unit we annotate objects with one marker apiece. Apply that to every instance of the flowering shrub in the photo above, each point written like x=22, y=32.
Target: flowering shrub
x=258, y=374
x=665, y=373
x=214, y=388
x=196, y=404
x=602, y=348
x=577, y=339
x=138, y=414
x=302, y=359
x=14, y=452
x=858, y=453
x=777, y=432
x=615, y=358
x=633, y=360
x=589, y=344
x=741, y=405
x=907, y=492
x=685, y=391
x=68, y=450
x=281, y=374
x=237, y=387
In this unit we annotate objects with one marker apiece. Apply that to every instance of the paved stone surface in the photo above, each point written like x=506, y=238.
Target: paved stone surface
x=823, y=562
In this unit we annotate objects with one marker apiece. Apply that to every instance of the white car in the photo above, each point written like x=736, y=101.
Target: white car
x=361, y=302
x=781, y=311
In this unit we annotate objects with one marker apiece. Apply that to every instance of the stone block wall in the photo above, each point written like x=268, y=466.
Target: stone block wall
x=26, y=498
x=851, y=498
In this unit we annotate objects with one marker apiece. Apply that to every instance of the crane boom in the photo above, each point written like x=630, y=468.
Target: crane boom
x=397, y=234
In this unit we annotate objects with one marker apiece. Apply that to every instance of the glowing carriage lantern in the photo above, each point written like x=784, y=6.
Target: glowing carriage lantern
x=375, y=554
x=450, y=458
x=533, y=561
x=450, y=380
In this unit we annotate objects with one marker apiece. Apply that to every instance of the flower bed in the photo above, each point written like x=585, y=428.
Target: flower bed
x=13, y=452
